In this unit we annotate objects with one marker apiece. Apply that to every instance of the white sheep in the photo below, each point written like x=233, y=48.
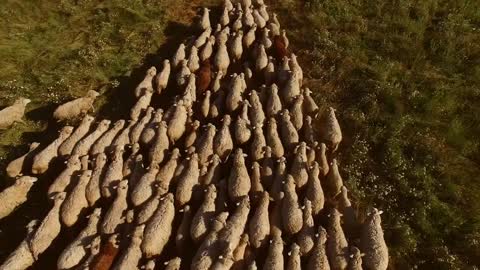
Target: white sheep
x=204, y=144
x=372, y=242
x=205, y=104
x=113, y=174
x=141, y=105
x=242, y=125
x=236, y=48
x=256, y=178
x=355, y=259
x=83, y=146
x=318, y=260
x=292, y=214
x=223, y=142
x=82, y=130
x=201, y=219
x=306, y=236
x=314, y=191
x=201, y=40
x=76, y=201
x=144, y=188
x=309, y=135
x=179, y=56
x=296, y=112
x=269, y=72
x=221, y=59
x=224, y=18
x=345, y=207
x=207, y=51
x=62, y=181
x=283, y=72
x=104, y=142
x=290, y=90
x=21, y=258
x=15, y=195
x=298, y=167
x=288, y=132
x=274, y=105
x=167, y=170
x=228, y=5
x=187, y=181
x=161, y=80
x=237, y=24
x=273, y=138
x=160, y=144
x=259, y=20
x=274, y=259
x=76, y=107
x=239, y=183
x=148, y=208
x=334, y=181
x=132, y=255
x=192, y=134
x=234, y=96
x=15, y=167
x=148, y=134
x=182, y=237
x=221, y=37
x=261, y=61
x=159, y=228
x=115, y=213
x=129, y=163
x=204, y=22
x=279, y=177
x=92, y=191
x=146, y=85
x=258, y=143
x=259, y=223
x=177, y=124
x=149, y=265
x=194, y=59
x=123, y=138
x=49, y=229
x=42, y=160
x=256, y=114
x=332, y=134
x=73, y=254
x=248, y=20
x=296, y=69
x=217, y=82
x=267, y=168
x=183, y=74
x=337, y=245
x=249, y=37
x=294, y=261
x=139, y=126
x=13, y=113
x=265, y=40
x=309, y=105
x=173, y=264
x=230, y=235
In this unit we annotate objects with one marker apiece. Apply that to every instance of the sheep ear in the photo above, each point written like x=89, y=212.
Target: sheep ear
x=362, y=254
x=351, y=256
x=380, y=212
x=289, y=253
x=165, y=263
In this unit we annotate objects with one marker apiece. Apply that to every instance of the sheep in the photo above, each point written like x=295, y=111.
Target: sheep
x=176, y=125
x=249, y=37
x=76, y=200
x=230, y=235
x=123, y=138
x=146, y=85
x=144, y=188
x=242, y=126
x=160, y=144
x=234, y=96
x=93, y=250
x=279, y=177
x=258, y=144
x=372, y=242
x=205, y=105
x=248, y=20
x=84, y=162
x=222, y=195
x=252, y=266
x=15, y=195
x=275, y=30
x=261, y=61
x=192, y=135
x=204, y=22
x=182, y=238
x=138, y=170
x=259, y=224
x=179, y=56
x=159, y=228
x=13, y=113
x=294, y=261
x=149, y=265
x=296, y=112
x=106, y=254
x=237, y=24
x=131, y=256
x=331, y=132
x=148, y=208
x=63, y=179
x=306, y=236
x=217, y=82
x=227, y=4
x=257, y=188
x=204, y=76
x=224, y=261
x=213, y=173
x=42, y=160
x=292, y=214
x=256, y=114
x=259, y=20
x=274, y=105
x=345, y=207
x=275, y=19
x=83, y=146
x=308, y=132
x=265, y=40
x=201, y=39
x=355, y=259
x=337, y=246
x=129, y=164
x=296, y=69
x=284, y=71
x=221, y=37
x=193, y=60
x=314, y=192
x=113, y=174
x=290, y=90
x=67, y=146
x=236, y=49
x=334, y=181
x=187, y=181
x=148, y=133
x=48, y=229
x=288, y=133
x=167, y=171
x=73, y=254
x=221, y=59
x=104, y=142
x=238, y=181
x=298, y=168
x=181, y=166
x=275, y=216
x=274, y=259
x=115, y=213
x=217, y=107
x=318, y=259
x=183, y=74
x=92, y=191
x=161, y=79
x=239, y=253
x=309, y=105
x=325, y=169
x=273, y=139
x=173, y=264
x=204, y=144
x=139, y=126
x=21, y=258
x=76, y=107
x=201, y=219
x=15, y=167
x=224, y=18
x=267, y=168
x=141, y=105
x=223, y=142
x=269, y=72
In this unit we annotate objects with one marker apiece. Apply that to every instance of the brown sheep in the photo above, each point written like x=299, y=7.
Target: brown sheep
x=204, y=77
x=107, y=254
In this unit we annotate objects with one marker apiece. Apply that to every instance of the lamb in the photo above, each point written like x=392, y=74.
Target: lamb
x=131, y=256
x=142, y=104
x=259, y=225
x=179, y=56
x=267, y=168
x=205, y=19
x=83, y=146
x=187, y=181
x=76, y=200
x=103, y=143
x=294, y=261
x=238, y=181
x=306, y=236
x=21, y=258
x=15, y=195
x=92, y=191
x=318, y=260
x=257, y=116
x=129, y=164
x=292, y=214
x=182, y=238
x=67, y=146
x=146, y=85
x=16, y=166
x=221, y=59
x=48, y=229
x=332, y=134
x=249, y=37
x=42, y=160
x=299, y=165
x=345, y=207
x=193, y=59
x=291, y=89
x=144, y=188
x=115, y=214
x=372, y=242
x=258, y=143
x=309, y=105
x=139, y=126
x=261, y=59
x=204, y=144
x=217, y=107
x=355, y=261
x=242, y=126
x=176, y=125
x=167, y=171
x=201, y=219
x=274, y=105
x=230, y=235
x=160, y=144
x=234, y=96
x=205, y=105
x=113, y=174
x=288, y=132
x=159, y=228
x=274, y=260
x=279, y=178
x=337, y=246
x=334, y=181
x=236, y=49
x=76, y=107
x=161, y=80
x=257, y=187
x=259, y=20
x=13, y=113
x=296, y=112
x=273, y=138
x=173, y=264
x=73, y=254
x=148, y=134
x=314, y=191
x=183, y=74
x=63, y=179
x=202, y=39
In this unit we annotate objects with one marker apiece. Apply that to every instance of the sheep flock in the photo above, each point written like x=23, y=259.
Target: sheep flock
x=236, y=170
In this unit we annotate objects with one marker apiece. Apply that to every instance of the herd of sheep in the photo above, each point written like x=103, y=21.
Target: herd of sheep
x=222, y=177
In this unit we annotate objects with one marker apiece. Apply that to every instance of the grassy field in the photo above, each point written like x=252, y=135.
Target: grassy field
x=403, y=75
